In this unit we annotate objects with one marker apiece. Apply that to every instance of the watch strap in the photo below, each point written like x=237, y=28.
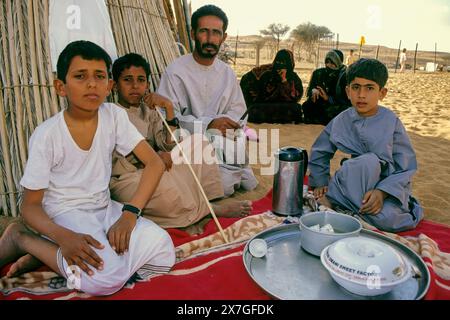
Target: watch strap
x=173, y=122
x=132, y=209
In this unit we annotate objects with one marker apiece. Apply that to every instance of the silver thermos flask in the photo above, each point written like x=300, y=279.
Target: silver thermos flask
x=290, y=164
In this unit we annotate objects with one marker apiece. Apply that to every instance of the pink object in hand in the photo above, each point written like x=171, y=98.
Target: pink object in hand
x=251, y=134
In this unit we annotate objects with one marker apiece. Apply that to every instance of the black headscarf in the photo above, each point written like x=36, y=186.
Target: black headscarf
x=284, y=60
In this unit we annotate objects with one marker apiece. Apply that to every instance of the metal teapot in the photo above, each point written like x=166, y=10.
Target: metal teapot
x=291, y=164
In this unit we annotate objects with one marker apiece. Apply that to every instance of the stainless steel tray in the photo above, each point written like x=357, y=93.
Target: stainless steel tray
x=288, y=272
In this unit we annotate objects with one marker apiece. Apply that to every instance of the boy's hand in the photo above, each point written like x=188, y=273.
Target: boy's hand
x=319, y=192
x=373, y=202
x=120, y=232
x=167, y=159
x=76, y=249
x=153, y=100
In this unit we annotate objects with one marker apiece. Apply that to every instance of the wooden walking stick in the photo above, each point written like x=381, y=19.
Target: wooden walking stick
x=194, y=175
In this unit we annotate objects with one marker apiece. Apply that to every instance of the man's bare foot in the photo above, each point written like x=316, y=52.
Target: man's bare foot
x=236, y=209
x=23, y=265
x=10, y=249
x=325, y=202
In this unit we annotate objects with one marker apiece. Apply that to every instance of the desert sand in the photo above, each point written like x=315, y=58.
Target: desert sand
x=422, y=102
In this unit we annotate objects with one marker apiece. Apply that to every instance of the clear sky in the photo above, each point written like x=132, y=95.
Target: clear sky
x=383, y=22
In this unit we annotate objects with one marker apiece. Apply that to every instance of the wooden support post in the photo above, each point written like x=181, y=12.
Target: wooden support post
x=435, y=56
x=235, y=48
x=398, y=55
x=318, y=52
x=187, y=18
x=415, y=58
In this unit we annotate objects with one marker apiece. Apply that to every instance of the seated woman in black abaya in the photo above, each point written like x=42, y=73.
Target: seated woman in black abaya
x=272, y=91
x=326, y=91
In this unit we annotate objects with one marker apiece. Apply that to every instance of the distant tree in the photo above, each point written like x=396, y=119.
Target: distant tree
x=277, y=31
x=307, y=35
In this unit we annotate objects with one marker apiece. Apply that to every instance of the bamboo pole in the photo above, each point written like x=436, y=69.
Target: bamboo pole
x=158, y=40
x=122, y=26
x=172, y=48
x=21, y=141
x=148, y=26
x=50, y=88
x=166, y=40
x=117, y=27
x=112, y=19
x=170, y=16
x=187, y=20
x=7, y=163
x=48, y=111
x=3, y=199
x=129, y=31
x=34, y=71
x=152, y=30
x=181, y=24
x=23, y=63
x=153, y=51
x=7, y=166
x=7, y=150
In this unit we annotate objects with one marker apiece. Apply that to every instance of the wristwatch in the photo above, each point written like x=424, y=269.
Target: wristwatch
x=173, y=122
x=132, y=209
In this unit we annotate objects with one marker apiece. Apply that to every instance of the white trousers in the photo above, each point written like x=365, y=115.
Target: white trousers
x=150, y=251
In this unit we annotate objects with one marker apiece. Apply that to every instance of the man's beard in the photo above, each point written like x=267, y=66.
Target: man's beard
x=208, y=55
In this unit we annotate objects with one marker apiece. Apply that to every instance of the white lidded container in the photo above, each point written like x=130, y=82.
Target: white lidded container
x=365, y=266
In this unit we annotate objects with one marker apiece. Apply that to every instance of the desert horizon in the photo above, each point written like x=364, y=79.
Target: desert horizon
x=246, y=52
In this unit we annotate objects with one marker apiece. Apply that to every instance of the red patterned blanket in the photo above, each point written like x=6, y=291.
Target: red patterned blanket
x=206, y=268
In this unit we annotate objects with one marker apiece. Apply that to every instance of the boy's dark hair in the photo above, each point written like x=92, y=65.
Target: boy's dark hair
x=209, y=10
x=370, y=69
x=85, y=49
x=127, y=61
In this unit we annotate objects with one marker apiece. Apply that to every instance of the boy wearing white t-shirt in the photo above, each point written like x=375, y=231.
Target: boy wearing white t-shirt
x=95, y=243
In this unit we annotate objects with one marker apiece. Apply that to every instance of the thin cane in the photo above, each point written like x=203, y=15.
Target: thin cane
x=195, y=177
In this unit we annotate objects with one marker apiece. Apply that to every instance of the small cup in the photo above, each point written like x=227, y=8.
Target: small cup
x=258, y=248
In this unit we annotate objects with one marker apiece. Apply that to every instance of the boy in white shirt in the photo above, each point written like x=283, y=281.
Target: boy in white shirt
x=95, y=243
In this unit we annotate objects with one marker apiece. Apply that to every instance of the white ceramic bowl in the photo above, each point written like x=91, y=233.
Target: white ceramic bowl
x=314, y=241
x=365, y=266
